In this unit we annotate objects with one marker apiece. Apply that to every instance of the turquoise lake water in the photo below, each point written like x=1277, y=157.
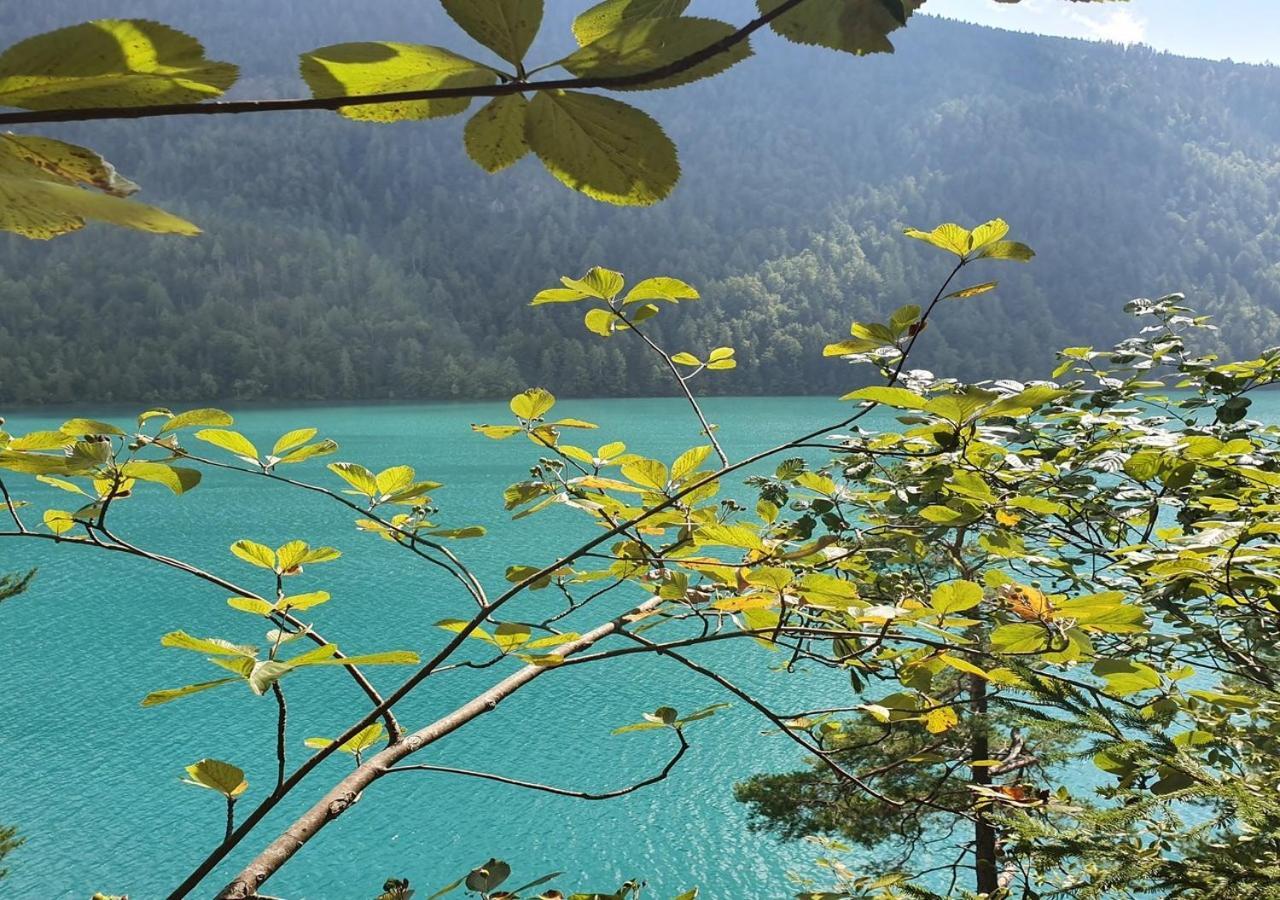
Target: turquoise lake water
x=92, y=779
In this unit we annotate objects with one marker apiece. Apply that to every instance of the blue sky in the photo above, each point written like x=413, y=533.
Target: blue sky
x=1244, y=30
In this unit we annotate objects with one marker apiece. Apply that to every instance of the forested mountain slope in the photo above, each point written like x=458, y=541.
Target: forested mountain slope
x=343, y=260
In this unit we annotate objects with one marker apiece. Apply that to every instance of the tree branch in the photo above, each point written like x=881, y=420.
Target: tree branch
x=515, y=86
x=561, y=792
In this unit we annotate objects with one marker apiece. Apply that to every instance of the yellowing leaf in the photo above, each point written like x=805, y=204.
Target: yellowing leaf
x=988, y=233
x=110, y=62
x=600, y=321
x=602, y=147
x=672, y=290
x=49, y=188
x=216, y=775
x=974, y=291
x=497, y=432
x=231, y=441
x=195, y=417
x=292, y=440
x=950, y=237
x=533, y=403
x=388, y=67
x=357, y=476
x=255, y=554
x=942, y=719
x=494, y=136
x=648, y=473
x=599, y=282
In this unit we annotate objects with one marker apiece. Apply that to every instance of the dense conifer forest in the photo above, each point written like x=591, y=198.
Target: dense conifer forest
x=343, y=261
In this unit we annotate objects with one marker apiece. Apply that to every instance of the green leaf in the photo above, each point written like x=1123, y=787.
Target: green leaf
x=648, y=44
x=605, y=17
x=231, y=441
x=255, y=554
x=156, y=698
x=196, y=417
x=1125, y=677
x=507, y=27
x=602, y=147
x=1019, y=638
x=1013, y=250
x=388, y=67
x=853, y=26
x=955, y=596
x=110, y=62
x=216, y=775
x=175, y=478
x=686, y=359
x=487, y=877
x=494, y=136
x=898, y=398
x=532, y=404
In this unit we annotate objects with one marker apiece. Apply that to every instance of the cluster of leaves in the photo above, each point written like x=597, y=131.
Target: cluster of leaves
x=595, y=144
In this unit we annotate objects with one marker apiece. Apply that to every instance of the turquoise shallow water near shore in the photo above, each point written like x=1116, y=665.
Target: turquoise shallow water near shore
x=93, y=780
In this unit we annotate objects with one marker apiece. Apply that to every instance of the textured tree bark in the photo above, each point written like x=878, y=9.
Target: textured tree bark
x=347, y=792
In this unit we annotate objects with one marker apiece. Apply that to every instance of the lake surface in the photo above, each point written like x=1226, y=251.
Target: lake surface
x=92, y=779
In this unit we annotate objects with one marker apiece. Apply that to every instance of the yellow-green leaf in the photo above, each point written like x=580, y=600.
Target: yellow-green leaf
x=195, y=417
x=494, y=136
x=255, y=554
x=507, y=27
x=110, y=62
x=605, y=17
x=216, y=775
x=388, y=67
x=853, y=26
x=231, y=441
x=533, y=403
x=291, y=440
x=602, y=147
x=648, y=44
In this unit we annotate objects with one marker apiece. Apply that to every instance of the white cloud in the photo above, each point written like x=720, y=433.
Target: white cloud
x=1120, y=26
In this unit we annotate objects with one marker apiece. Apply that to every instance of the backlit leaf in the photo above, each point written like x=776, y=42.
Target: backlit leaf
x=602, y=147
x=385, y=67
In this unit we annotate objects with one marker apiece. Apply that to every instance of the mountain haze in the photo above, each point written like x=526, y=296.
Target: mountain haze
x=344, y=260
